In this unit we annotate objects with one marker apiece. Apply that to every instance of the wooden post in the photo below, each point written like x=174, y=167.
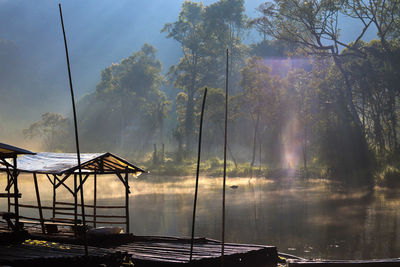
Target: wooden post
x=127, y=202
x=54, y=196
x=94, y=200
x=16, y=192
x=38, y=202
x=8, y=191
x=75, y=205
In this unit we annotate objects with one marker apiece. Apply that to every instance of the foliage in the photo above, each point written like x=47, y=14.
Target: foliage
x=128, y=102
x=55, y=131
x=204, y=33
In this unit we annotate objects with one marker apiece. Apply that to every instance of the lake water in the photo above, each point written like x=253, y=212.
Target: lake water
x=311, y=219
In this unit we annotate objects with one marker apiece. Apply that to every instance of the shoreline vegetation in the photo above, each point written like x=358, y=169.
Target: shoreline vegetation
x=384, y=177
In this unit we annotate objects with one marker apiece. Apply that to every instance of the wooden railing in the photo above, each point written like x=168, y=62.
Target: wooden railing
x=68, y=209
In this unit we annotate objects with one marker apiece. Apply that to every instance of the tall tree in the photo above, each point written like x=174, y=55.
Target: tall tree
x=260, y=96
x=313, y=25
x=188, y=31
x=129, y=102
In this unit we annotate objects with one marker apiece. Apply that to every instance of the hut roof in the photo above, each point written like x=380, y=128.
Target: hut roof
x=64, y=163
x=8, y=151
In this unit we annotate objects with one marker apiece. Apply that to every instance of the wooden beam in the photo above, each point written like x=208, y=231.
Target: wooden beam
x=91, y=206
x=16, y=192
x=127, y=202
x=123, y=181
x=93, y=216
x=9, y=195
x=76, y=205
x=54, y=195
x=84, y=180
x=8, y=191
x=62, y=180
x=62, y=183
x=48, y=177
x=94, y=200
x=39, y=203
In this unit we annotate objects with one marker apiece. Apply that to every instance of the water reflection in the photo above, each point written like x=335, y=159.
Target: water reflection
x=313, y=219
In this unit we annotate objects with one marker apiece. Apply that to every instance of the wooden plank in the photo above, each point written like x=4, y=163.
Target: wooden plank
x=92, y=206
x=8, y=195
x=345, y=263
x=43, y=207
x=93, y=215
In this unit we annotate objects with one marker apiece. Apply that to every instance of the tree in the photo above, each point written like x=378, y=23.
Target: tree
x=313, y=25
x=128, y=102
x=188, y=31
x=204, y=34
x=54, y=129
x=259, y=95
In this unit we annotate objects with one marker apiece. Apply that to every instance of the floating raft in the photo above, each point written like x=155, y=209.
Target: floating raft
x=346, y=263
x=169, y=251
x=43, y=253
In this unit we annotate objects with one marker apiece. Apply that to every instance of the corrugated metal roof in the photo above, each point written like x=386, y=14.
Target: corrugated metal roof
x=10, y=151
x=63, y=163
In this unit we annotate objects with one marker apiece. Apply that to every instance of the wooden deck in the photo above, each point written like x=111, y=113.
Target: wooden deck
x=346, y=263
x=142, y=250
x=42, y=253
x=170, y=251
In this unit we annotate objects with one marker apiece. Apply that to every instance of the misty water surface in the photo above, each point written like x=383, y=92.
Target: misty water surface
x=313, y=219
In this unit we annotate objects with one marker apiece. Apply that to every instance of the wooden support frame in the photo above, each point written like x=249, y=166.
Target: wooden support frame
x=75, y=205
x=83, y=182
x=61, y=182
x=94, y=200
x=127, y=202
x=8, y=191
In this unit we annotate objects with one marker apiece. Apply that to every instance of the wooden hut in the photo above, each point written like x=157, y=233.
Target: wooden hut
x=8, y=161
x=58, y=167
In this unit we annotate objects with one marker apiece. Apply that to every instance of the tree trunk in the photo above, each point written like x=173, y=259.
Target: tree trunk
x=255, y=139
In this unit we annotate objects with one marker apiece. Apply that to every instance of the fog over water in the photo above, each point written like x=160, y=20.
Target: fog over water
x=312, y=219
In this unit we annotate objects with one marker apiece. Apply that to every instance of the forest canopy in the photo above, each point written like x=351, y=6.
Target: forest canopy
x=301, y=97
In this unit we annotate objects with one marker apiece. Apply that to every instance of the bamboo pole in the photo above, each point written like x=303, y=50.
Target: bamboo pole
x=38, y=202
x=75, y=206
x=54, y=196
x=127, y=202
x=225, y=142
x=94, y=199
x=76, y=131
x=8, y=191
x=197, y=174
x=15, y=178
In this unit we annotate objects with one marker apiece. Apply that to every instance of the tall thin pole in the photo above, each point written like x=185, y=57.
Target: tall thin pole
x=197, y=174
x=95, y=201
x=8, y=191
x=16, y=193
x=127, y=202
x=39, y=202
x=225, y=143
x=76, y=131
